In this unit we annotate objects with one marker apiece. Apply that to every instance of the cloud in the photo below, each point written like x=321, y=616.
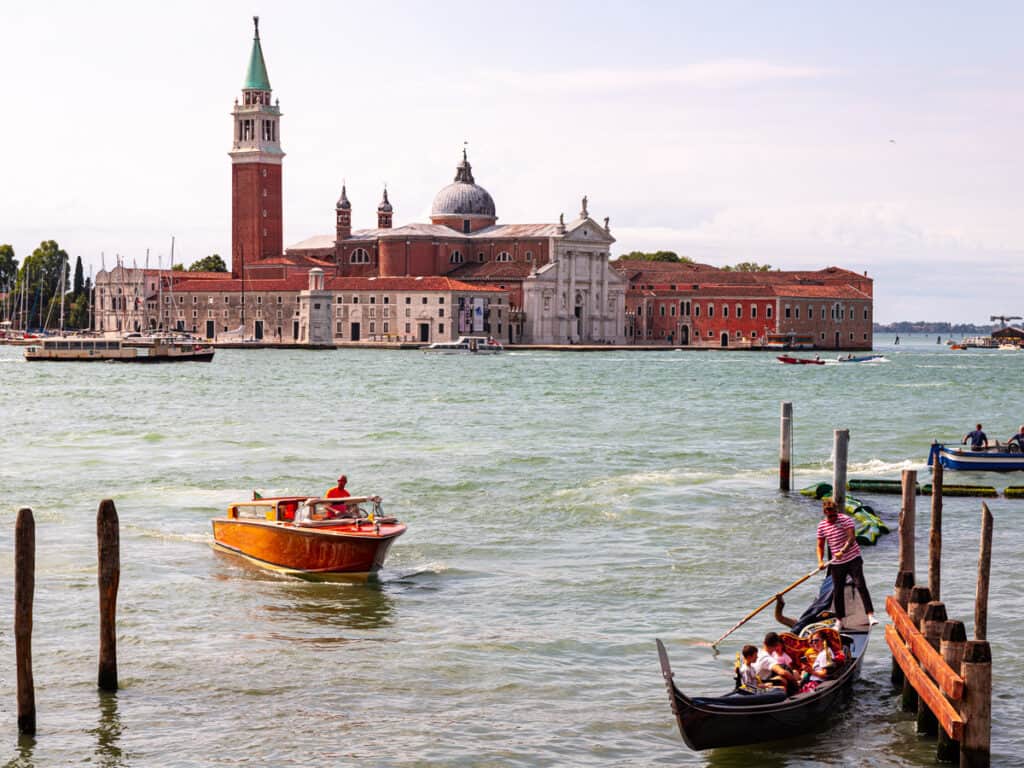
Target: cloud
x=714, y=74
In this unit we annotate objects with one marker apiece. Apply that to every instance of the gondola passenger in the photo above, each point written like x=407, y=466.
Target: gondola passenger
x=773, y=665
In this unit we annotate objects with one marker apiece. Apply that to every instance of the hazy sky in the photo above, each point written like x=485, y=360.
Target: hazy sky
x=877, y=136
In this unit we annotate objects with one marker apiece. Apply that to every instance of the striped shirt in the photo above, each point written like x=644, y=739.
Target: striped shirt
x=835, y=534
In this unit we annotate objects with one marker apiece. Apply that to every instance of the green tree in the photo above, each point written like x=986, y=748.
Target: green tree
x=747, y=266
x=78, y=314
x=177, y=267
x=8, y=267
x=40, y=273
x=670, y=256
x=212, y=263
x=78, y=285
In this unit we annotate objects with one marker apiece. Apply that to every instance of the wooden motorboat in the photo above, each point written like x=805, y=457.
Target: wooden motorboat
x=309, y=536
x=738, y=718
x=997, y=458
x=788, y=360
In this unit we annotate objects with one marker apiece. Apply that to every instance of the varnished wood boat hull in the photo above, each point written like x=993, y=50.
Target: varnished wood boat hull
x=308, y=550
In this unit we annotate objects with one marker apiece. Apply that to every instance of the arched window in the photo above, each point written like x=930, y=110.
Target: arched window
x=480, y=257
x=456, y=257
x=360, y=256
x=503, y=256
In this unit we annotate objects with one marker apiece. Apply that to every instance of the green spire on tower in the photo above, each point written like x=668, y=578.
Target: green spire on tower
x=256, y=76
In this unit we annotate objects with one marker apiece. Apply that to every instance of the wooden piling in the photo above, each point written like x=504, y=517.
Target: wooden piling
x=919, y=599
x=108, y=541
x=984, y=569
x=786, y=447
x=904, y=586
x=935, y=536
x=841, y=442
x=976, y=670
x=931, y=627
x=907, y=521
x=24, y=590
x=954, y=638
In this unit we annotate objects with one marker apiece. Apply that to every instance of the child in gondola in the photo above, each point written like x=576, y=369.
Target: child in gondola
x=748, y=681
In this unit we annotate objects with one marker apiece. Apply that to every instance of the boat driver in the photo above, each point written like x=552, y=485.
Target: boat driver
x=337, y=492
x=1017, y=440
x=979, y=441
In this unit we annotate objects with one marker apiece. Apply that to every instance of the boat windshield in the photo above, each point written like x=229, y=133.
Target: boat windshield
x=353, y=508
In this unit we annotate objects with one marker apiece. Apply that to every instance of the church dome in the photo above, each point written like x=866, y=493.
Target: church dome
x=463, y=197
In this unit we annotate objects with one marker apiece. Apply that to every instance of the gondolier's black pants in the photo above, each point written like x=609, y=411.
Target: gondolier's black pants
x=855, y=570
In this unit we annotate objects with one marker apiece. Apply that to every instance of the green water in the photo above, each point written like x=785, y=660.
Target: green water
x=563, y=509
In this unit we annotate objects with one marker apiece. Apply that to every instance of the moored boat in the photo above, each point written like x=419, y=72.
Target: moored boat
x=473, y=345
x=738, y=717
x=86, y=349
x=309, y=536
x=788, y=360
x=997, y=458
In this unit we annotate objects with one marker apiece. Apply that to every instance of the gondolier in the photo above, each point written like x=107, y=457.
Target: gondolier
x=839, y=532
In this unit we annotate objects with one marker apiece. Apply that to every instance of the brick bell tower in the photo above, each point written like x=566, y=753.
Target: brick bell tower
x=256, y=157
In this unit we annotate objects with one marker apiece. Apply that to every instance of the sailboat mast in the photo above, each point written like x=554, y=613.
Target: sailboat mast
x=63, y=289
x=170, y=282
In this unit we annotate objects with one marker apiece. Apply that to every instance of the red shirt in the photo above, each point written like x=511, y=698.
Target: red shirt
x=337, y=493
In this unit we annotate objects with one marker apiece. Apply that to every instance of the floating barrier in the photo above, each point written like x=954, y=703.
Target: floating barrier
x=871, y=485
x=818, y=490
x=962, y=490
x=1014, y=492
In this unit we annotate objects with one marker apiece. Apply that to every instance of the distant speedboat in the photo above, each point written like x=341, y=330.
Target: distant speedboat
x=308, y=536
x=799, y=360
x=470, y=345
x=999, y=458
x=861, y=359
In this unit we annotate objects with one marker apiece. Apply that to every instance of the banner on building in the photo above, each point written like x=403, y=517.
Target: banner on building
x=478, y=315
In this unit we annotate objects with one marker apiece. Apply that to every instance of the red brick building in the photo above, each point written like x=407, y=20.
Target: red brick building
x=701, y=305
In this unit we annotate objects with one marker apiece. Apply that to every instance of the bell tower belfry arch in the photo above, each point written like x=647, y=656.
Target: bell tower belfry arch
x=256, y=160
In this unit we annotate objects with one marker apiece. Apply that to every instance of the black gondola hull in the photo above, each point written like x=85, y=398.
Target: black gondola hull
x=738, y=719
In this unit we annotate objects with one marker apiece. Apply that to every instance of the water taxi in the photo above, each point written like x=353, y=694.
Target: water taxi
x=84, y=349
x=789, y=360
x=470, y=345
x=309, y=537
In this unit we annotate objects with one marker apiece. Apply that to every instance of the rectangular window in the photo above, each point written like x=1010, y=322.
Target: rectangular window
x=424, y=299
x=440, y=328
x=279, y=299
x=195, y=299
x=789, y=312
x=227, y=299
x=386, y=325
x=259, y=299
x=696, y=310
x=373, y=299
x=387, y=299
x=408, y=300
x=341, y=327
x=372, y=328
x=753, y=310
x=408, y=328
x=440, y=311
x=440, y=299
x=797, y=310
x=865, y=315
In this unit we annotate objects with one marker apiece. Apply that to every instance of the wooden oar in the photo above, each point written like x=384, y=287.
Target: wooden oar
x=765, y=604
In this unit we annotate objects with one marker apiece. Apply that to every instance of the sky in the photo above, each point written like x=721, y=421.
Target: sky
x=880, y=137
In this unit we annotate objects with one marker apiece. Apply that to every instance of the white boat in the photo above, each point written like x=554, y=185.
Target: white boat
x=1009, y=347
x=467, y=345
x=85, y=349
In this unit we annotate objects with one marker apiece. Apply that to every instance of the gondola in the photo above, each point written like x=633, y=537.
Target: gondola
x=735, y=719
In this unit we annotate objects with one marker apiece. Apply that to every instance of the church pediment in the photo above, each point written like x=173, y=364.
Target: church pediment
x=587, y=229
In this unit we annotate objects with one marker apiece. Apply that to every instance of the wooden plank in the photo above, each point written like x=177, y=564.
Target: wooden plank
x=947, y=716
x=931, y=660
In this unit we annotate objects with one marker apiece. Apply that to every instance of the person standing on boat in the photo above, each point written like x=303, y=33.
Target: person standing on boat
x=338, y=491
x=979, y=441
x=839, y=531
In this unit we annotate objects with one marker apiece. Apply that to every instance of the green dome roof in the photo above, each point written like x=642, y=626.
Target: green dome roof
x=256, y=76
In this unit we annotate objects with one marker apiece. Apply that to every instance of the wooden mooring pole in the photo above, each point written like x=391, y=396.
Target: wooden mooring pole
x=905, y=569
x=24, y=589
x=954, y=638
x=976, y=670
x=935, y=536
x=109, y=546
x=931, y=626
x=840, y=448
x=919, y=599
x=786, y=447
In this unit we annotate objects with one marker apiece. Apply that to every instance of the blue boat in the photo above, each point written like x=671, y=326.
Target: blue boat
x=1001, y=458
x=861, y=359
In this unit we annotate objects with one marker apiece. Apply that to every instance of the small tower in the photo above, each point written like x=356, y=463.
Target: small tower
x=384, y=211
x=343, y=217
x=256, y=158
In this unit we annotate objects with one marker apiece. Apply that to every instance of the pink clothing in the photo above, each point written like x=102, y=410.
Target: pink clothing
x=836, y=534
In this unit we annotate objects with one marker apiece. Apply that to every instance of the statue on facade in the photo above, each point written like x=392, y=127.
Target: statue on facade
x=583, y=213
